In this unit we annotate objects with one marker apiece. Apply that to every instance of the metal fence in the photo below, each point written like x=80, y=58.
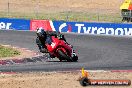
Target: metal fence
x=38, y=11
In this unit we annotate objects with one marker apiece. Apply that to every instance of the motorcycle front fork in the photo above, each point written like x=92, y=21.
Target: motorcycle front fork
x=73, y=53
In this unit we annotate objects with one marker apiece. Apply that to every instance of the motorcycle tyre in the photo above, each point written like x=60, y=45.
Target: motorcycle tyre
x=63, y=55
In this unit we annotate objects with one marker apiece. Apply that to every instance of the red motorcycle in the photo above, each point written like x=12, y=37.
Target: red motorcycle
x=60, y=49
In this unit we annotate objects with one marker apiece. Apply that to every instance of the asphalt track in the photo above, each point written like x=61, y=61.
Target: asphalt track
x=95, y=52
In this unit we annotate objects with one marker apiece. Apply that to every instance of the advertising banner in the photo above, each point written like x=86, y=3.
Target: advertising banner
x=93, y=28
x=62, y=26
x=14, y=24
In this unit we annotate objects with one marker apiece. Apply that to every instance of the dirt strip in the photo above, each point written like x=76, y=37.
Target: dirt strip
x=57, y=80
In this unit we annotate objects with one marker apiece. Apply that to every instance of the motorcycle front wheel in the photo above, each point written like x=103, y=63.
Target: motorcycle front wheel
x=62, y=55
x=75, y=58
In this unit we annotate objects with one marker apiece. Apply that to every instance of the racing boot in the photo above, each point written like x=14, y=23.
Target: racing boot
x=43, y=50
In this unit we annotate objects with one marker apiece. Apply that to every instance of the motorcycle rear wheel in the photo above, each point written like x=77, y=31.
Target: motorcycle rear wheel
x=63, y=55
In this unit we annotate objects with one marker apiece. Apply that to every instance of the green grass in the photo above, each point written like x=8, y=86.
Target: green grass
x=67, y=16
x=8, y=52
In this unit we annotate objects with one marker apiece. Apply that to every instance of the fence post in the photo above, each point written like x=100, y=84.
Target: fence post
x=37, y=10
x=67, y=16
x=8, y=10
x=98, y=16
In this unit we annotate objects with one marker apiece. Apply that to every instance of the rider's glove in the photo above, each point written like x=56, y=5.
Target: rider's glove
x=60, y=36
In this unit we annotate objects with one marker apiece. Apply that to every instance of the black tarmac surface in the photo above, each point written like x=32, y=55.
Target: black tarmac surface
x=95, y=52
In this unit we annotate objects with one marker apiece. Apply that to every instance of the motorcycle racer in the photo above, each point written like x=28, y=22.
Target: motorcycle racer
x=44, y=37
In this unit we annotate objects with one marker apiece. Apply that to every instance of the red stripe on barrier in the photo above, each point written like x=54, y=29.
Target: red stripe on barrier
x=18, y=60
x=3, y=62
x=40, y=23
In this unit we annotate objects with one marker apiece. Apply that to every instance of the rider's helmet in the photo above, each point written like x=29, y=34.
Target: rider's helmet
x=41, y=32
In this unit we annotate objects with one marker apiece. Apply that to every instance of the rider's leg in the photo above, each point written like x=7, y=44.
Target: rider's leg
x=48, y=40
x=41, y=47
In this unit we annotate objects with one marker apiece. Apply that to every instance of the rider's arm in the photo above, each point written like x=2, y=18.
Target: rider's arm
x=52, y=33
x=57, y=34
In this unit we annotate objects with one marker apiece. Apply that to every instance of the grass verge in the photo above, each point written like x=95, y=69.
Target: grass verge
x=8, y=52
x=67, y=16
